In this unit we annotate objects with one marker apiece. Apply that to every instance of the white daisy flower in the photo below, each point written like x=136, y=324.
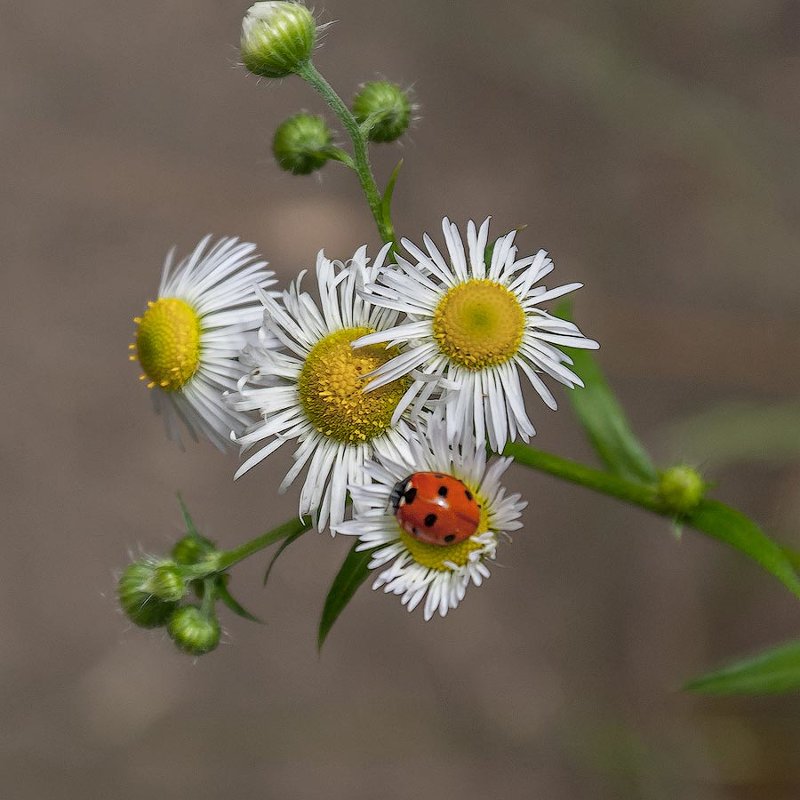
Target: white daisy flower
x=414, y=565
x=189, y=339
x=319, y=396
x=474, y=327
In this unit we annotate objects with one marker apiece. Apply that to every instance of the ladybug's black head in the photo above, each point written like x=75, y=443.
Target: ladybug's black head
x=397, y=492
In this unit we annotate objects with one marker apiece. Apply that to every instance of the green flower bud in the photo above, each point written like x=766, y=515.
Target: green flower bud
x=277, y=38
x=387, y=107
x=191, y=549
x=167, y=582
x=681, y=488
x=193, y=631
x=136, y=597
x=302, y=144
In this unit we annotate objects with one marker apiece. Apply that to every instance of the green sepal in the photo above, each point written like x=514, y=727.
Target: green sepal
x=221, y=591
x=774, y=671
x=603, y=419
x=388, y=193
x=293, y=537
x=740, y=532
x=353, y=572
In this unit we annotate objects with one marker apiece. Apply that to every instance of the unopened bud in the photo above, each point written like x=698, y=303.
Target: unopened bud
x=167, y=582
x=137, y=600
x=387, y=108
x=277, y=38
x=681, y=488
x=302, y=144
x=191, y=549
x=193, y=631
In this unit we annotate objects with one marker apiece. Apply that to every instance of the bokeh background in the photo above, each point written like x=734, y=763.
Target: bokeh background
x=653, y=149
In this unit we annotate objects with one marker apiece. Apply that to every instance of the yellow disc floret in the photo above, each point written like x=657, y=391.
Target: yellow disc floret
x=479, y=324
x=442, y=558
x=331, y=388
x=168, y=343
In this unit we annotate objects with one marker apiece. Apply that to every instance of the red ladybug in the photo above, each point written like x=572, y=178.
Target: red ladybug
x=435, y=508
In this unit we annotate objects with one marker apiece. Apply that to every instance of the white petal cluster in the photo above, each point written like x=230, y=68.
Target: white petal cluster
x=299, y=324
x=444, y=340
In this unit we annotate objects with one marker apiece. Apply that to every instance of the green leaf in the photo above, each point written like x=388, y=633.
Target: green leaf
x=284, y=544
x=771, y=672
x=735, y=529
x=222, y=592
x=388, y=194
x=191, y=530
x=793, y=556
x=351, y=575
x=604, y=420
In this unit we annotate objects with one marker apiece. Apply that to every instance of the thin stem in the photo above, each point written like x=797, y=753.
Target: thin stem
x=603, y=482
x=310, y=74
x=337, y=154
x=228, y=558
x=639, y=494
x=207, y=605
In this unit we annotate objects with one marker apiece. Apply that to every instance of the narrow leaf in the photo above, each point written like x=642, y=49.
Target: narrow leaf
x=284, y=544
x=351, y=575
x=191, y=530
x=222, y=592
x=388, y=194
x=604, y=420
x=771, y=672
x=735, y=529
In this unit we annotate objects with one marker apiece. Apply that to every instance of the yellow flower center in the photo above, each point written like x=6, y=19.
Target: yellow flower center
x=440, y=557
x=168, y=343
x=331, y=388
x=479, y=324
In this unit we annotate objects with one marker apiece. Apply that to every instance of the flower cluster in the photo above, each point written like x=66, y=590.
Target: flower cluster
x=390, y=385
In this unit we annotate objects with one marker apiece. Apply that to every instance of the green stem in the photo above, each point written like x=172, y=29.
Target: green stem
x=207, y=606
x=228, y=558
x=639, y=494
x=220, y=562
x=362, y=167
x=603, y=482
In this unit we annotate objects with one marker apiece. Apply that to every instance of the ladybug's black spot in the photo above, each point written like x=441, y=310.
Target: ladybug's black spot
x=468, y=493
x=410, y=495
x=430, y=520
x=415, y=531
x=442, y=491
x=449, y=538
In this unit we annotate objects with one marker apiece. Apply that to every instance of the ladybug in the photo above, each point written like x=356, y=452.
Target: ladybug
x=435, y=508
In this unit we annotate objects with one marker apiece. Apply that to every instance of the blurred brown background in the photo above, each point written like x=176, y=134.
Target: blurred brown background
x=653, y=149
